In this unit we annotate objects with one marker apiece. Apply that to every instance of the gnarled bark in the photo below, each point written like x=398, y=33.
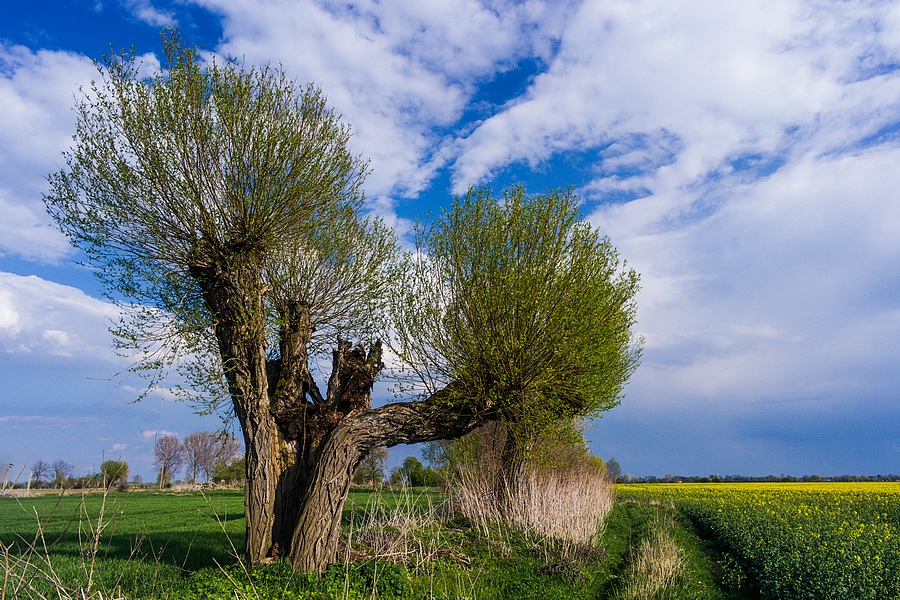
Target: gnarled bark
x=316, y=539
x=233, y=292
x=302, y=448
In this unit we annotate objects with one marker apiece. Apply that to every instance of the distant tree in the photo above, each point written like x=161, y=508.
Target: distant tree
x=168, y=458
x=115, y=472
x=39, y=471
x=613, y=469
x=371, y=470
x=228, y=451
x=235, y=470
x=61, y=472
x=437, y=453
x=200, y=450
x=411, y=469
x=597, y=462
x=396, y=476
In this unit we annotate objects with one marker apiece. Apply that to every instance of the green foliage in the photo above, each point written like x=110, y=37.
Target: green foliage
x=518, y=308
x=371, y=469
x=114, y=471
x=215, y=164
x=415, y=474
x=236, y=470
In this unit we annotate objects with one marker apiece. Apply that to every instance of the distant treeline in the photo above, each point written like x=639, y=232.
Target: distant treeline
x=742, y=479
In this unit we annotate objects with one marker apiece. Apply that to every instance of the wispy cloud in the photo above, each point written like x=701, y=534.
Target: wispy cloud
x=153, y=434
x=45, y=422
x=144, y=11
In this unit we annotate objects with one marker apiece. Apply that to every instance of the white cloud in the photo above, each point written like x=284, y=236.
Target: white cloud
x=143, y=10
x=9, y=316
x=788, y=289
x=400, y=73
x=37, y=91
x=156, y=433
x=724, y=80
x=53, y=319
x=47, y=423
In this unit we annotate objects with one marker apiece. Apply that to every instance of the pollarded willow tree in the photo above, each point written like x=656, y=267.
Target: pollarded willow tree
x=221, y=207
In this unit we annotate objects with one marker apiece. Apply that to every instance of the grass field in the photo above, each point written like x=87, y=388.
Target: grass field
x=731, y=542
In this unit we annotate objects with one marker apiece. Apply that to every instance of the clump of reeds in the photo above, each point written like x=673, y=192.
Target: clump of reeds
x=656, y=565
x=561, y=500
x=565, y=507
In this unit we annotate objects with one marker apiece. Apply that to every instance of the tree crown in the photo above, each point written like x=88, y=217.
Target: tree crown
x=215, y=165
x=515, y=305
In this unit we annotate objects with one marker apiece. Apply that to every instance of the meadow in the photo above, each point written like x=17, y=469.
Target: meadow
x=671, y=541
x=798, y=541
x=410, y=544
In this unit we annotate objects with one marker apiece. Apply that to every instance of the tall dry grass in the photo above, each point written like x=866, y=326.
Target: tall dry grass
x=656, y=565
x=400, y=527
x=561, y=504
x=565, y=507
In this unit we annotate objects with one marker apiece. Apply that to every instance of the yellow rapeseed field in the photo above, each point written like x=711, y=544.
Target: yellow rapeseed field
x=798, y=540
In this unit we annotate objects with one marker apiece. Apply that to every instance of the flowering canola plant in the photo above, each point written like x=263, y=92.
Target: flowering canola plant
x=803, y=540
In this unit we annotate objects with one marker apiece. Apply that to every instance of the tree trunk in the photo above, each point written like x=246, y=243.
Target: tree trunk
x=317, y=533
x=316, y=540
x=301, y=455
x=232, y=288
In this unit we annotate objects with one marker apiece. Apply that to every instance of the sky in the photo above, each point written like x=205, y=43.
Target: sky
x=742, y=156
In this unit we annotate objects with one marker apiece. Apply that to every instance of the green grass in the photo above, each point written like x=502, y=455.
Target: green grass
x=179, y=546
x=187, y=530
x=148, y=542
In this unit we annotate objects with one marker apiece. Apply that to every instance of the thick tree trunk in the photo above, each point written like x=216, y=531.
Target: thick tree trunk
x=317, y=535
x=316, y=541
x=233, y=291
x=301, y=454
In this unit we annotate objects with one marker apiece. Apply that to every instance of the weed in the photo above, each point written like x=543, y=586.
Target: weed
x=656, y=564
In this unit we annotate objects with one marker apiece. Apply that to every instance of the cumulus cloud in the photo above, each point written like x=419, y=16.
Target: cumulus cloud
x=37, y=91
x=401, y=74
x=720, y=81
x=43, y=318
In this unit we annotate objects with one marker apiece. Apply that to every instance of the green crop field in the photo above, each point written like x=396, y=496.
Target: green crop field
x=794, y=541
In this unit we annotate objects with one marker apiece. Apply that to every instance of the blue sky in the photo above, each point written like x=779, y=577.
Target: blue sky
x=742, y=156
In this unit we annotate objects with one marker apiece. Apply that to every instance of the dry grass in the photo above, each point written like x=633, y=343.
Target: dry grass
x=656, y=565
x=563, y=509
x=394, y=531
